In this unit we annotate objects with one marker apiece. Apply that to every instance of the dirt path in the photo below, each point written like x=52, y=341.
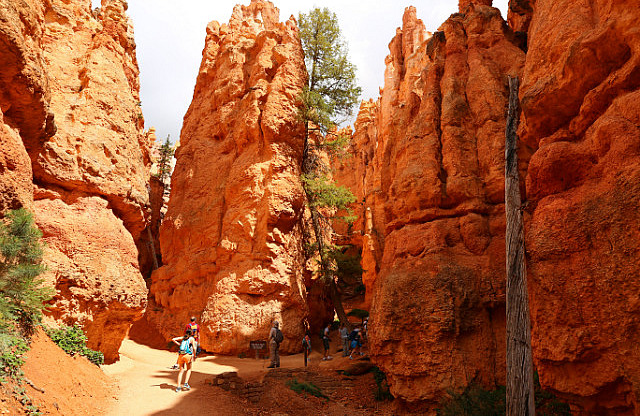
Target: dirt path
x=147, y=383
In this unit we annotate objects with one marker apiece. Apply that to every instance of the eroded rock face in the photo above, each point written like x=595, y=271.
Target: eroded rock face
x=93, y=172
x=62, y=61
x=231, y=240
x=581, y=110
x=432, y=149
x=24, y=99
x=93, y=264
x=99, y=147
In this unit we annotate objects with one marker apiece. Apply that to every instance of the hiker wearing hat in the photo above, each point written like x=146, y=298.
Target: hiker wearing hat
x=275, y=338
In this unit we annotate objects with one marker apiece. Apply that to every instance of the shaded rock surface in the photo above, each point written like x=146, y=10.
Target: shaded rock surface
x=429, y=167
x=231, y=239
x=581, y=111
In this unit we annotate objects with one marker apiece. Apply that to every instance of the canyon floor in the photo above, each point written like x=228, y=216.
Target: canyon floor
x=141, y=383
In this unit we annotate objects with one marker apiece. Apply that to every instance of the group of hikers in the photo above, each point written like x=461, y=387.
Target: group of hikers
x=189, y=348
x=351, y=342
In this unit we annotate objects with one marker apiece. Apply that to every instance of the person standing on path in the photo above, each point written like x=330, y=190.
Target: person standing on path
x=195, y=331
x=187, y=346
x=344, y=336
x=306, y=346
x=275, y=338
x=325, y=343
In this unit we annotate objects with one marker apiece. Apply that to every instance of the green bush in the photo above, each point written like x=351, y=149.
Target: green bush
x=22, y=294
x=382, y=392
x=12, y=348
x=475, y=401
x=72, y=340
x=305, y=388
x=359, y=313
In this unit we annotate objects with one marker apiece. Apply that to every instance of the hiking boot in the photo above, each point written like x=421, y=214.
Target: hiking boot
x=186, y=387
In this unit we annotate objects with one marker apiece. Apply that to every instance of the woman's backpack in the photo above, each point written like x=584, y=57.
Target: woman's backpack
x=185, y=346
x=278, y=338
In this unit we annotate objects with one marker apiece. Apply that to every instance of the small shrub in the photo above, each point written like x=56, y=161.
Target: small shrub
x=305, y=388
x=359, y=313
x=72, y=340
x=474, y=401
x=382, y=392
x=11, y=352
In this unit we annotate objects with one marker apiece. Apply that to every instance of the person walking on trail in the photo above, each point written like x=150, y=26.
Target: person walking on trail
x=187, y=346
x=344, y=336
x=195, y=332
x=356, y=343
x=306, y=347
x=275, y=338
x=325, y=343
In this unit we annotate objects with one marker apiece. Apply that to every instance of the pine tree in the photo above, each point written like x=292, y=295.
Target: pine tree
x=164, y=163
x=327, y=100
x=22, y=294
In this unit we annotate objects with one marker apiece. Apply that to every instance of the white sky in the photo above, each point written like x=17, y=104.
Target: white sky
x=170, y=37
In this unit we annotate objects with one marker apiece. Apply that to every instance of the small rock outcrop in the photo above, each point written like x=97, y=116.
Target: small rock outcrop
x=231, y=239
x=580, y=99
x=429, y=166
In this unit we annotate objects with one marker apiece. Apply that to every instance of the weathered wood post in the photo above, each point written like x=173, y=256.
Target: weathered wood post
x=520, y=396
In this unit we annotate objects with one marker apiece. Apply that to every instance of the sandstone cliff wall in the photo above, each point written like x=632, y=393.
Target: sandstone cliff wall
x=581, y=110
x=231, y=239
x=25, y=119
x=429, y=166
x=86, y=181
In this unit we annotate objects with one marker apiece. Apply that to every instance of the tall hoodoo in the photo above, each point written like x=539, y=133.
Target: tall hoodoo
x=231, y=240
x=433, y=213
x=580, y=99
x=85, y=181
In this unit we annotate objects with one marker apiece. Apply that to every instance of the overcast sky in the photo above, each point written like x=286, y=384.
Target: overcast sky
x=170, y=37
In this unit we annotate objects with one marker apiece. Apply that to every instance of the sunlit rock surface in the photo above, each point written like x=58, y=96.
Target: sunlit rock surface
x=231, y=240
x=429, y=167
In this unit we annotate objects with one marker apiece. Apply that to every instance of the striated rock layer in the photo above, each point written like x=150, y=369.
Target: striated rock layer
x=429, y=167
x=90, y=169
x=231, y=239
x=581, y=110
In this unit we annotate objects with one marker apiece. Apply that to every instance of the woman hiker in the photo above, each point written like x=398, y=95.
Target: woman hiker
x=187, y=346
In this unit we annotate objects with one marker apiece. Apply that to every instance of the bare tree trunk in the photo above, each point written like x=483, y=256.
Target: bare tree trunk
x=307, y=167
x=153, y=248
x=520, y=396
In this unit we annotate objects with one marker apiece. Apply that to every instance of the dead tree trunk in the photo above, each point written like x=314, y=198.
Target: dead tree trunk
x=520, y=398
x=307, y=168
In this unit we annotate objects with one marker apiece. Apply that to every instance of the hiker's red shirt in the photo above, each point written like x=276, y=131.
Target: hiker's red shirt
x=195, y=330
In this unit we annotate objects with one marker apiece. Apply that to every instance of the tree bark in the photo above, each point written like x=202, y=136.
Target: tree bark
x=520, y=396
x=307, y=167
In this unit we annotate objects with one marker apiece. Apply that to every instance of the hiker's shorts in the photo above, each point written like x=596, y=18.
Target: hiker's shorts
x=184, y=359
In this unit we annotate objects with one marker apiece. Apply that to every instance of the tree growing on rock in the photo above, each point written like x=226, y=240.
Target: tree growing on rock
x=327, y=100
x=164, y=162
x=22, y=294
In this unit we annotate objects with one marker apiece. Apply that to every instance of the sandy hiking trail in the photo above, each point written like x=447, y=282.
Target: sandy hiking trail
x=147, y=384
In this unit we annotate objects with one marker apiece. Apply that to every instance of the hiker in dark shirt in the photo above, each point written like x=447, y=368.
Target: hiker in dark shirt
x=274, y=345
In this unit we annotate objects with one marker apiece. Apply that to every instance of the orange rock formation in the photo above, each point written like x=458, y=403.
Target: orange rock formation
x=581, y=110
x=429, y=165
x=62, y=60
x=231, y=240
x=25, y=118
